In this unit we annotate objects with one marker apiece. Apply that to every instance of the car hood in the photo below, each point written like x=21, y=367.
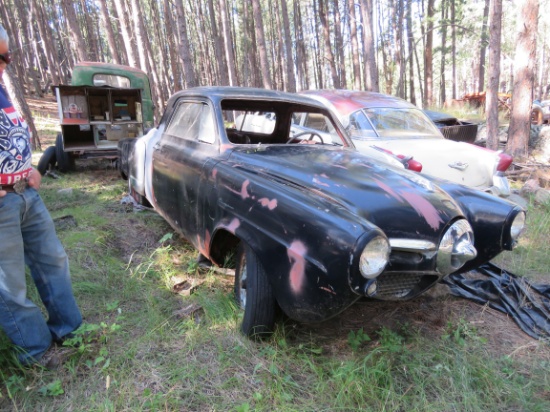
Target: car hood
x=458, y=162
x=403, y=204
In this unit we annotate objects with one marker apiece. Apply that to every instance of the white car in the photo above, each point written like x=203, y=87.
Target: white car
x=375, y=119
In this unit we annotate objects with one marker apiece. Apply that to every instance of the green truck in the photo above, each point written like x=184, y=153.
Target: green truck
x=104, y=104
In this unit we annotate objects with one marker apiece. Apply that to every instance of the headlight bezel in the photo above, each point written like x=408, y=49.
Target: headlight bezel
x=456, y=247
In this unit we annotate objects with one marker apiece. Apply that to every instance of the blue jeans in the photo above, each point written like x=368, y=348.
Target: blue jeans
x=27, y=236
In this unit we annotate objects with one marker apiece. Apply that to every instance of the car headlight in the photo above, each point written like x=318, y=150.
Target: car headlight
x=375, y=257
x=456, y=247
x=518, y=225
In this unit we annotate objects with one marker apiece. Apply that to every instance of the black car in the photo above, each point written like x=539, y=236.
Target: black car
x=314, y=224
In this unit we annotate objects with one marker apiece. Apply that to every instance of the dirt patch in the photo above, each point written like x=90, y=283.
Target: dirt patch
x=432, y=318
x=45, y=107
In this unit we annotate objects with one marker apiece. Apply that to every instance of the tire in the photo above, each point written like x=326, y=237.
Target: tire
x=254, y=294
x=47, y=160
x=65, y=162
x=536, y=116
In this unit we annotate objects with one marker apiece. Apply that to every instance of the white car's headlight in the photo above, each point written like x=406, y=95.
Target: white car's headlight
x=375, y=257
x=456, y=247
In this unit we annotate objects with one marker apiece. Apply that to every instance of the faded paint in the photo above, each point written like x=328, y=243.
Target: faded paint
x=388, y=190
x=233, y=226
x=270, y=204
x=424, y=208
x=244, y=190
x=421, y=205
x=296, y=253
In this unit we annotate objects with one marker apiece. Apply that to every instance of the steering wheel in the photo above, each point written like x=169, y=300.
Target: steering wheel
x=311, y=137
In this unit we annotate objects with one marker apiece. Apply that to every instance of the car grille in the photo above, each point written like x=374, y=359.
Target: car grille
x=400, y=286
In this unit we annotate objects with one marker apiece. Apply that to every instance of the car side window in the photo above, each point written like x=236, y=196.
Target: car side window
x=207, y=132
x=192, y=121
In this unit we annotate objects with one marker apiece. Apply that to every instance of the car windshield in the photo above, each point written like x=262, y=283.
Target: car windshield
x=391, y=123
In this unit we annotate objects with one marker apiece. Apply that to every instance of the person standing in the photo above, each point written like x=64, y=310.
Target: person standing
x=27, y=237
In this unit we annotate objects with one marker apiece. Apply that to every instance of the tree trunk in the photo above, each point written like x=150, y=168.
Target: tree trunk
x=369, y=49
x=356, y=66
x=251, y=73
x=453, y=47
x=218, y=46
x=329, y=56
x=443, y=95
x=301, y=52
x=491, y=98
x=74, y=30
x=190, y=77
x=228, y=43
x=339, y=46
x=172, y=48
x=483, y=45
x=90, y=19
x=428, y=57
x=260, y=42
x=106, y=19
x=126, y=33
x=289, y=59
x=411, y=47
x=48, y=50
x=522, y=101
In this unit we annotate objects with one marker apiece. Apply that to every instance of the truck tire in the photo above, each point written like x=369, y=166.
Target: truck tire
x=65, y=162
x=254, y=294
x=47, y=160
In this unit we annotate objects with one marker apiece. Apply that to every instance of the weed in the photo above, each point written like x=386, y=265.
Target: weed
x=54, y=388
x=357, y=339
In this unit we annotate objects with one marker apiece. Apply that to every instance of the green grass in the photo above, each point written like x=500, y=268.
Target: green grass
x=531, y=258
x=141, y=352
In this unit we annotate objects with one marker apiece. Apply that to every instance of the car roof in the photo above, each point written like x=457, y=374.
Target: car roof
x=218, y=93
x=346, y=102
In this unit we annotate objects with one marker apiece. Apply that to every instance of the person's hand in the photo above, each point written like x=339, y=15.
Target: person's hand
x=34, y=179
x=3, y=193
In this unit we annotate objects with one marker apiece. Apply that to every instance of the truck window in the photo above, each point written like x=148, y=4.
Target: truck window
x=111, y=80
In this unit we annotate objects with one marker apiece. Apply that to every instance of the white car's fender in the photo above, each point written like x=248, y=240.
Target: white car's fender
x=140, y=164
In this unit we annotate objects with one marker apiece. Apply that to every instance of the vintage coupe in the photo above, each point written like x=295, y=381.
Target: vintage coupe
x=399, y=126
x=314, y=226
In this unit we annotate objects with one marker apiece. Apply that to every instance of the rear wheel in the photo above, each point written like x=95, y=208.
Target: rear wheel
x=65, y=162
x=254, y=294
x=47, y=161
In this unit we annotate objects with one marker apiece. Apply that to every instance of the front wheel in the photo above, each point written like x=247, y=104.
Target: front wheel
x=254, y=294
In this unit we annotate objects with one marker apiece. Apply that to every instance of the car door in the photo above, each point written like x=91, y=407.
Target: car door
x=188, y=147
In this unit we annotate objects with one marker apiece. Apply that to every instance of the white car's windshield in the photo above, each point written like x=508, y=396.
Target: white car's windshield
x=391, y=123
